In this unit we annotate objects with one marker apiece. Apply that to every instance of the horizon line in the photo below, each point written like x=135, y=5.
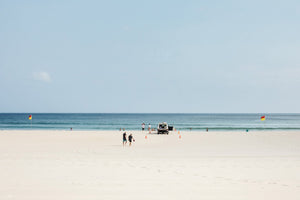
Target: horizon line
x=146, y=113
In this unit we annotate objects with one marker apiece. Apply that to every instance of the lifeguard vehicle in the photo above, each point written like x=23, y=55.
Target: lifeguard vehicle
x=163, y=128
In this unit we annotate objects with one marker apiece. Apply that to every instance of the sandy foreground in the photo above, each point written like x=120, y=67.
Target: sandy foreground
x=39, y=165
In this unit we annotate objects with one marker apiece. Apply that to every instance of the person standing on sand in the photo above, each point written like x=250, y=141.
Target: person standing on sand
x=149, y=127
x=124, y=139
x=130, y=138
x=143, y=126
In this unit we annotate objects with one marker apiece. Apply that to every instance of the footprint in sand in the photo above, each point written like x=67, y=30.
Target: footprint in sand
x=131, y=165
x=272, y=183
x=243, y=180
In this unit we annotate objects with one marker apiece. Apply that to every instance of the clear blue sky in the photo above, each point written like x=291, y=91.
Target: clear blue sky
x=154, y=56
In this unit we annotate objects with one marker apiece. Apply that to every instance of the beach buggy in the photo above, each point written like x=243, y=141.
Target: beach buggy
x=163, y=128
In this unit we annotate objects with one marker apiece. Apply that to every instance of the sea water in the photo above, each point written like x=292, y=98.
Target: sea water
x=193, y=122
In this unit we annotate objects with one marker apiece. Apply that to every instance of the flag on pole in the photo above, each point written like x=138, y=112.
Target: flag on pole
x=262, y=118
x=30, y=117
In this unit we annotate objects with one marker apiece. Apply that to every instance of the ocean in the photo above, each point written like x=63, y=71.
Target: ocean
x=193, y=122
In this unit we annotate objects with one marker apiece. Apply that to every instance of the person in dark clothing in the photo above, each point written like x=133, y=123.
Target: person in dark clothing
x=143, y=126
x=131, y=139
x=124, y=139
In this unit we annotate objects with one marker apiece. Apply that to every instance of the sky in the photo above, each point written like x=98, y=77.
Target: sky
x=150, y=56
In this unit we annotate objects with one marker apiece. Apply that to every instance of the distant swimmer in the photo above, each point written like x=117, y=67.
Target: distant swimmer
x=124, y=139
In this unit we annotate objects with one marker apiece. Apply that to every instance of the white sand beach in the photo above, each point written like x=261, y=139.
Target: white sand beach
x=37, y=165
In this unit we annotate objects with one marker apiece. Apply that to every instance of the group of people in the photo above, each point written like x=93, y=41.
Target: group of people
x=130, y=139
x=143, y=126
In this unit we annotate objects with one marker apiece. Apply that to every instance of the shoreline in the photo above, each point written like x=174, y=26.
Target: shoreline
x=154, y=132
